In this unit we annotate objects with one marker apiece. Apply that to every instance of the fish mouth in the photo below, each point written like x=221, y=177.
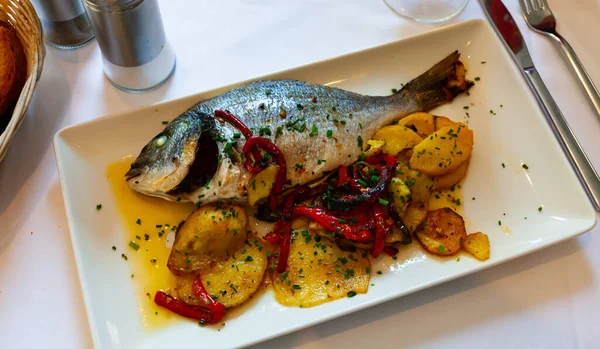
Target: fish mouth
x=203, y=168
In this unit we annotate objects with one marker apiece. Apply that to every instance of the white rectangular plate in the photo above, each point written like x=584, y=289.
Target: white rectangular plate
x=513, y=134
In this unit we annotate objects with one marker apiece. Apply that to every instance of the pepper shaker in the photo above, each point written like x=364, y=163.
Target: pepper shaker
x=65, y=23
x=135, y=51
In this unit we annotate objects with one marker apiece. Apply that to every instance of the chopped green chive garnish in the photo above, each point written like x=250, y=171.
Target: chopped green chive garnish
x=329, y=133
x=525, y=166
x=383, y=201
x=133, y=245
x=98, y=207
x=314, y=131
x=296, y=287
x=351, y=294
x=441, y=248
x=138, y=222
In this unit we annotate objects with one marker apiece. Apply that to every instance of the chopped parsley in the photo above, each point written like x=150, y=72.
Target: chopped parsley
x=138, y=222
x=441, y=248
x=134, y=245
x=249, y=259
x=383, y=201
x=314, y=131
x=540, y=209
x=99, y=207
x=329, y=133
x=296, y=287
x=351, y=294
x=525, y=166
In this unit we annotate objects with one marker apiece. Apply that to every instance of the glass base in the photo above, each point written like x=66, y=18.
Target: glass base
x=427, y=11
x=130, y=90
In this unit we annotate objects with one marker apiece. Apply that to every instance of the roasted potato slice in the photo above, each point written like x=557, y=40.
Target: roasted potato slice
x=442, y=121
x=419, y=184
x=443, y=232
x=404, y=156
x=375, y=147
x=400, y=193
x=478, y=244
x=443, y=151
x=414, y=215
x=319, y=271
x=260, y=186
x=397, y=138
x=209, y=234
x=231, y=282
x=450, y=179
x=421, y=123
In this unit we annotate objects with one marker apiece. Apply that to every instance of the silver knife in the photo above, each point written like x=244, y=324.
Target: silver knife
x=508, y=31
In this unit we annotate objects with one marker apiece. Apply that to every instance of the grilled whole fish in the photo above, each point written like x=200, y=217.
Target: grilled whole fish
x=198, y=158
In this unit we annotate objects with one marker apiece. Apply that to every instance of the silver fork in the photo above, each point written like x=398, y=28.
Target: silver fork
x=539, y=17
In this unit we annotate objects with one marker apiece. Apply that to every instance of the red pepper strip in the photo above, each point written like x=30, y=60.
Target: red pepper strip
x=284, y=227
x=237, y=123
x=350, y=202
x=357, y=232
x=382, y=159
x=217, y=308
x=178, y=307
x=381, y=230
x=343, y=178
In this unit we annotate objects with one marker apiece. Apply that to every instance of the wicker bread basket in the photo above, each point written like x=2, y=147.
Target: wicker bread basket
x=21, y=14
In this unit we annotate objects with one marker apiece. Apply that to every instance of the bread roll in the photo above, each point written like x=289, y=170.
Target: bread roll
x=13, y=70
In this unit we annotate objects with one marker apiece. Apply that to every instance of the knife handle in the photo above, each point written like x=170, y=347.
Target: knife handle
x=577, y=157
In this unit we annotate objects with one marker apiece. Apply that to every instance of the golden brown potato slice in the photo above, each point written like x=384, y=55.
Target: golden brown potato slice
x=478, y=244
x=442, y=121
x=375, y=147
x=443, y=232
x=422, y=123
x=231, y=282
x=414, y=215
x=319, y=272
x=260, y=186
x=397, y=138
x=210, y=234
x=400, y=193
x=450, y=179
x=443, y=151
x=419, y=184
x=404, y=156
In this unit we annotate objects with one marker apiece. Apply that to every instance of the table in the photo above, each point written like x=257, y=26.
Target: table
x=550, y=299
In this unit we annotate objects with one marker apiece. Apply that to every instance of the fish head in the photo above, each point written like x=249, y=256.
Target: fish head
x=183, y=156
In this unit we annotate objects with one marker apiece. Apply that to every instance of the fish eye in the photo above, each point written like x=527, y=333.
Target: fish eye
x=160, y=141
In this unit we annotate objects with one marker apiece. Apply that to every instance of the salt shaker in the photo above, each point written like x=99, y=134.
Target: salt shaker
x=65, y=23
x=135, y=51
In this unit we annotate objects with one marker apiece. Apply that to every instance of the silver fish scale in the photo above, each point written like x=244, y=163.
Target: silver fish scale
x=285, y=112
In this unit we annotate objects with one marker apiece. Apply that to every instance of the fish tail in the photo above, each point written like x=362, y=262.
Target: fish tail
x=438, y=85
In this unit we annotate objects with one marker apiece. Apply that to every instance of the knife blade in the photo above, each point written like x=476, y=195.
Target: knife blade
x=509, y=33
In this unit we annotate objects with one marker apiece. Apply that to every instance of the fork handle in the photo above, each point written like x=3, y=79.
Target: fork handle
x=575, y=154
x=585, y=79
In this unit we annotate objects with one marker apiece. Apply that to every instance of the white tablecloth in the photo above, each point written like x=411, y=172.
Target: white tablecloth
x=550, y=299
